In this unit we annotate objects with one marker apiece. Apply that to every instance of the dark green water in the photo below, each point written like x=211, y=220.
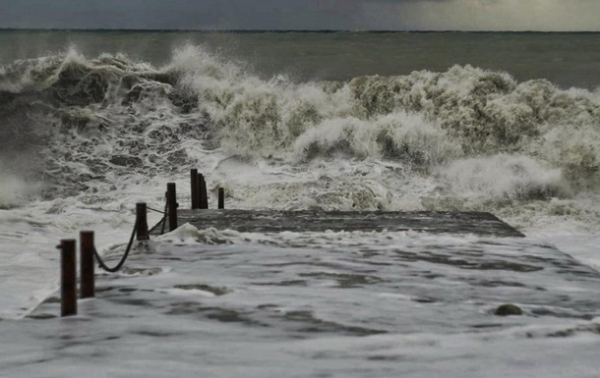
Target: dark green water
x=566, y=59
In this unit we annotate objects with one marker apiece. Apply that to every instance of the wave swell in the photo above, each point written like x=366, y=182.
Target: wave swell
x=466, y=134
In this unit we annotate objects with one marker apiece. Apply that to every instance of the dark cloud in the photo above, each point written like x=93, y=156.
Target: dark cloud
x=223, y=14
x=301, y=14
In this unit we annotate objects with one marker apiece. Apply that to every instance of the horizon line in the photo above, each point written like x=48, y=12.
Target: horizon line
x=249, y=31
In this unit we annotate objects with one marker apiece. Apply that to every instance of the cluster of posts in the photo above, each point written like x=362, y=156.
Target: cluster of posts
x=68, y=282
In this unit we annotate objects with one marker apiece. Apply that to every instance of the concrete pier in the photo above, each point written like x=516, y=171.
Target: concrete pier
x=479, y=223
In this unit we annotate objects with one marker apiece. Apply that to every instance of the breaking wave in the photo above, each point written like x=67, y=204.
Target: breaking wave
x=464, y=138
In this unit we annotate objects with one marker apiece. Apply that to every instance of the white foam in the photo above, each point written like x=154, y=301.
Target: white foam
x=502, y=177
x=14, y=190
x=464, y=139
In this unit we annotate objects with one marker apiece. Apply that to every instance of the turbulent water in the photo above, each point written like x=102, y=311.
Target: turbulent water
x=83, y=137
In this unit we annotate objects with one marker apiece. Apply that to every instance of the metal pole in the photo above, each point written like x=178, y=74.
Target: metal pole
x=68, y=283
x=172, y=205
x=221, y=198
x=203, y=191
x=141, y=221
x=86, y=264
x=199, y=179
x=194, y=183
x=164, y=221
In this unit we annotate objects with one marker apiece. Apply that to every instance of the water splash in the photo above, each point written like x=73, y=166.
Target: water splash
x=464, y=138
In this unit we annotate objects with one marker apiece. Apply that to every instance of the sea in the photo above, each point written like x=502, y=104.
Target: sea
x=92, y=122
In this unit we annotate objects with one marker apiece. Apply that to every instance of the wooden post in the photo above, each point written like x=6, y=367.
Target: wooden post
x=172, y=205
x=165, y=216
x=141, y=221
x=221, y=198
x=194, y=191
x=86, y=264
x=68, y=278
x=203, y=191
x=200, y=192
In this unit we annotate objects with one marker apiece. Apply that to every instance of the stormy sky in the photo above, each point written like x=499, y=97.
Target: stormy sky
x=545, y=15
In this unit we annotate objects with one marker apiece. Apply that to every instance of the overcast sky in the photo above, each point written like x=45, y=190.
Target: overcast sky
x=576, y=15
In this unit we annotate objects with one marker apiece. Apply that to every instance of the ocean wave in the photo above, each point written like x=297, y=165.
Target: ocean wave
x=467, y=134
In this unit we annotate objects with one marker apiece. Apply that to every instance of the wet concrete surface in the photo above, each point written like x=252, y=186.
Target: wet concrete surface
x=265, y=221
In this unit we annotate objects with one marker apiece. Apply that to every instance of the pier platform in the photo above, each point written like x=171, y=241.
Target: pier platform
x=410, y=305
x=273, y=221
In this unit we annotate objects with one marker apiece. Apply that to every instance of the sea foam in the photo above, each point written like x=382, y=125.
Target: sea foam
x=465, y=136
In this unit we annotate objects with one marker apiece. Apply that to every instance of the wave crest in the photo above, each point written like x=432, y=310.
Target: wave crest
x=463, y=130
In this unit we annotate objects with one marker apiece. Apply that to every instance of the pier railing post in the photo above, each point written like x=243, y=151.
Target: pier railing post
x=141, y=221
x=203, y=192
x=86, y=264
x=221, y=198
x=194, y=187
x=172, y=205
x=68, y=278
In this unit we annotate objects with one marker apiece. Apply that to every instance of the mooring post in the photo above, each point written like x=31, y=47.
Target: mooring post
x=203, y=191
x=172, y=205
x=164, y=221
x=68, y=279
x=194, y=183
x=199, y=178
x=221, y=198
x=141, y=221
x=86, y=264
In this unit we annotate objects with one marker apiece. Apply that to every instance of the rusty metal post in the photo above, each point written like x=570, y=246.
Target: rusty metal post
x=172, y=205
x=221, y=198
x=68, y=278
x=199, y=179
x=194, y=191
x=141, y=221
x=203, y=191
x=86, y=264
x=165, y=216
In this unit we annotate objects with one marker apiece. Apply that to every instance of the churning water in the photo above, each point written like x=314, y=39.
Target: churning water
x=92, y=123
